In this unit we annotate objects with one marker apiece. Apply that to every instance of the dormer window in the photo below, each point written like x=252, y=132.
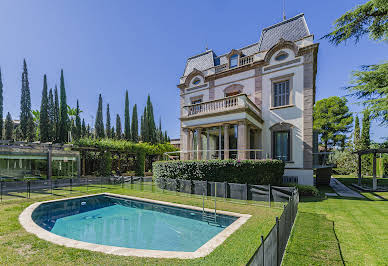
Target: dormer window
x=281, y=56
x=233, y=61
x=196, y=81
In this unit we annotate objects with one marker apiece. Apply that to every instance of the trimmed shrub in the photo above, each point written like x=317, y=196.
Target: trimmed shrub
x=307, y=190
x=232, y=171
x=140, y=163
x=105, y=164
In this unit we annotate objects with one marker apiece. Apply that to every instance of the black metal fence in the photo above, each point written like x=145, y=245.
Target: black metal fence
x=264, y=193
x=273, y=246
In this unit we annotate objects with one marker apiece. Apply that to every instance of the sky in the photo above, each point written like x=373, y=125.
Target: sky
x=108, y=47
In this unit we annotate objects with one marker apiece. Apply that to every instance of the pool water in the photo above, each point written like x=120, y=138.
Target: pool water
x=122, y=222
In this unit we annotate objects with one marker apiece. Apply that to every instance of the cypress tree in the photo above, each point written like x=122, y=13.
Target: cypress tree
x=160, y=132
x=78, y=126
x=56, y=115
x=118, y=127
x=112, y=132
x=108, y=127
x=88, y=131
x=127, y=123
x=51, y=115
x=8, y=127
x=1, y=106
x=135, y=125
x=150, y=121
x=365, y=134
x=44, y=122
x=63, y=117
x=99, y=124
x=143, y=126
x=26, y=120
x=167, y=139
x=357, y=134
x=83, y=131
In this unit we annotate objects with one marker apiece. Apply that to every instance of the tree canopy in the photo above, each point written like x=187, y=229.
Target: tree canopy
x=332, y=120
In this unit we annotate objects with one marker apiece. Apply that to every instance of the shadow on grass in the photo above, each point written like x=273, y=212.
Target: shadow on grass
x=313, y=242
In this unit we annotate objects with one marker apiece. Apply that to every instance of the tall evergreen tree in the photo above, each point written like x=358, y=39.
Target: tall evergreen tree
x=365, y=133
x=135, y=125
x=166, y=137
x=356, y=134
x=78, y=126
x=51, y=115
x=44, y=122
x=26, y=120
x=99, y=124
x=143, y=130
x=118, y=127
x=160, y=132
x=8, y=127
x=88, y=131
x=108, y=127
x=1, y=106
x=112, y=133
x=150, y=121
x=63, y=118
x=83, y=131
x=56, y=115
x=127, y=123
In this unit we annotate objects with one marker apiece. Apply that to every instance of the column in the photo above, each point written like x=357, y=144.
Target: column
x=199, y=144
x=256, y=145
x=374, y=172
x=190, y=145
x=248, y=153
x=226, y=141
x=242, y=140
x=185, y=144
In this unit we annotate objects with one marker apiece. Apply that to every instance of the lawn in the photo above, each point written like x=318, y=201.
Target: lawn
x=19, y=247
x=338, y=231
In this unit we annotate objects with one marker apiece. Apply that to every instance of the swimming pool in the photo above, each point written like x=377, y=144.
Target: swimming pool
x=126, y=225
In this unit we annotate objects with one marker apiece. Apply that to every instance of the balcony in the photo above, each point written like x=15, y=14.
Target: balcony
x=239, y=102
x=246, y=60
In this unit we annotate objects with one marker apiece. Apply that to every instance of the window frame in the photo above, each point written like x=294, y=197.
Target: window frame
x=289, y=150
x=281, y=79
x=237, y=60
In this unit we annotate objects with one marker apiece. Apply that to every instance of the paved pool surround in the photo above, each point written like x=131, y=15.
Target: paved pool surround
x=30, y=226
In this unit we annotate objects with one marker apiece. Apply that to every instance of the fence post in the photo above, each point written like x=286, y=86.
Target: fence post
x=71, y=185
x=246, y=191
x=1, y=190
x=277, y=242
x=122, y=181
x=262, y=243
x=226, y=189
x=269, y=195
x=51, y=185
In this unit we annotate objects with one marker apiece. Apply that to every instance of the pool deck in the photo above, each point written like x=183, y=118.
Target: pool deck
x=30, y=226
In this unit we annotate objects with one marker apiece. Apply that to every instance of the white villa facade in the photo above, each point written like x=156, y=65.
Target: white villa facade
x=254, y=102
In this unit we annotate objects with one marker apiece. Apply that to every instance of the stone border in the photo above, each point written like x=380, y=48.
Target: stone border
x=30, y=226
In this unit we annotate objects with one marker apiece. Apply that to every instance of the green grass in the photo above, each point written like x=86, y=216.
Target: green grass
x=331, y=230
x=17, y=247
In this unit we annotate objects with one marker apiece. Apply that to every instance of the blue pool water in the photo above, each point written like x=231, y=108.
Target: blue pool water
x=120, y=222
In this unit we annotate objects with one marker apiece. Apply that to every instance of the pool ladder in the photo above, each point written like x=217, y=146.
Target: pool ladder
x=209, y=217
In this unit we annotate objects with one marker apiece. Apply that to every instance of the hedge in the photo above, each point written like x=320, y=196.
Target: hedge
x=232, y=171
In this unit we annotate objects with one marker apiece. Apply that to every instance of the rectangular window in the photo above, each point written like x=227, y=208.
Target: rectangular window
x=281, y=93
x=233, y=60
x=281, y=145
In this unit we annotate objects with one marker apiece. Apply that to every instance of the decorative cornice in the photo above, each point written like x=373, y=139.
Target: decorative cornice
x=280, y=45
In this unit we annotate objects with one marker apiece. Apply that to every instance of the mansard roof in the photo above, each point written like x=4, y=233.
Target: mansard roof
x=292, y=29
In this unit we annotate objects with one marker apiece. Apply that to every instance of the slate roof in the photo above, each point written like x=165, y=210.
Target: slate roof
x=292, y=29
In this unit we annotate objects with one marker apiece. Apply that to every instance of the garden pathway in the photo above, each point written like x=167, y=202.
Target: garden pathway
x=343, y=190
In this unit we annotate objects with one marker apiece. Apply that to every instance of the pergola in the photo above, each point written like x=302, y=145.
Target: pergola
x=369, y=151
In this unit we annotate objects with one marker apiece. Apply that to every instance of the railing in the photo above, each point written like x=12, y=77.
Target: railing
x=273, y=246
x=221, y=105
x=221, y=68
x=237, y=154
x=246, y=60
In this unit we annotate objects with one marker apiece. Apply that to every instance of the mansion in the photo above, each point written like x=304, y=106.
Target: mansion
x=254, y=102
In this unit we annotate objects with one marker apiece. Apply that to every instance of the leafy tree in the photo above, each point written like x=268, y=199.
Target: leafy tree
x=357, y=134
x=332, y=120
x=370, y=18
x=83, y=131
x=108, y=128
x=26, y=120
x=118, y=127
x=44, y=122
x=8, y=127
x=370, y=85
x=127, y=123
x=51, y=115
x=78, y=125
x=1, y=107
x=135, y=125
x=63, y=117
x=56, y=115
x=99, y=125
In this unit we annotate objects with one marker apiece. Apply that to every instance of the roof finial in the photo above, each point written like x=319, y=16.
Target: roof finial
x=206, y=49
x=284, y=10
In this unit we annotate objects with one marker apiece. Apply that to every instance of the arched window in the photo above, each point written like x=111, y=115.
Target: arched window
x=233, y=61
x=281, y=56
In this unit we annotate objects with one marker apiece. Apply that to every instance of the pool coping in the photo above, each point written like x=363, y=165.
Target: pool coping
x=30, y=226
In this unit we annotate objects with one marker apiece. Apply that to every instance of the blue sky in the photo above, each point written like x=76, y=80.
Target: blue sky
x=109, y=46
